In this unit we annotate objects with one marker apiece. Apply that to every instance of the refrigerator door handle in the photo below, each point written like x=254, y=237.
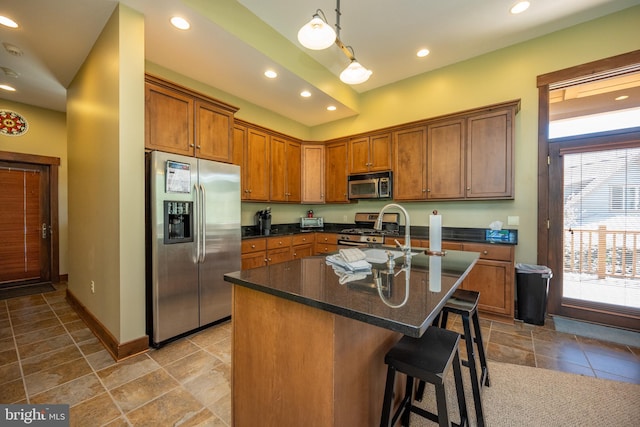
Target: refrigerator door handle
x=203, y=223
x=197, y=221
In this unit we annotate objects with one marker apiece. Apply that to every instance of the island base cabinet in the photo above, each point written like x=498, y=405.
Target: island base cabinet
x=300, y=366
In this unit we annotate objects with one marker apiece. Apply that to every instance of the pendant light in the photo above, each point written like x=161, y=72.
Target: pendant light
x=317, y=34
x=355, y=73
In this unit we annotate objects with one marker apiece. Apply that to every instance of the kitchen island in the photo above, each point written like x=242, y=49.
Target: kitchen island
x=309, y=350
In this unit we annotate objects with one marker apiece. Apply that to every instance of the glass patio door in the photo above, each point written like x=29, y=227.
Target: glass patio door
x=601, y=232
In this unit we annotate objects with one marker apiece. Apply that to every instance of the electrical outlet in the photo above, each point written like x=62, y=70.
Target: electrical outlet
x=93, y=287
x=513, y=220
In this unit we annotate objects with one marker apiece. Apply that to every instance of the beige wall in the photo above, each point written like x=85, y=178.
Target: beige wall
x=47, y=136
x=105, y=111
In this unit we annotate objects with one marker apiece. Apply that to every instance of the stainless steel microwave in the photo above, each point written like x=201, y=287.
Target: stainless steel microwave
x=371, y=186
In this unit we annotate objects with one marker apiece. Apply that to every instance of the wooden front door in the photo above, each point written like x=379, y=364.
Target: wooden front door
x=25, y=223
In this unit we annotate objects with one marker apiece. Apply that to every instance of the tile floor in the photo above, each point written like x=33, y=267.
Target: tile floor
x=47, y=355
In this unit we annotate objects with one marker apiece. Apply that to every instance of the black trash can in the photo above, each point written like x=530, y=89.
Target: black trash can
x=532, y=289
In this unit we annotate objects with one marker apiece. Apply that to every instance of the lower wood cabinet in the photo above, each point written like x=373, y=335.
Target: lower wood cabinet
x=273, y=250
x=302, y=245
x=493, y=277
x=279, y=249
x=326, y=242
x=254, y=253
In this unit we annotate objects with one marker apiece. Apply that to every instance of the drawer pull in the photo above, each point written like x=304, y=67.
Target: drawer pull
x=485, y=252
x=253, y=246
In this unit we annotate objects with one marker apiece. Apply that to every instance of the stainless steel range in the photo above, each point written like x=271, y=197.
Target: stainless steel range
x=364, y=234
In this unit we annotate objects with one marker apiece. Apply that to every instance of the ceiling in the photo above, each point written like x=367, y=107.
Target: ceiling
x=232, y=42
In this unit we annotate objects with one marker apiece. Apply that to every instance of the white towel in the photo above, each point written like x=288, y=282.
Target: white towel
x=360, y=265
x=352, y=254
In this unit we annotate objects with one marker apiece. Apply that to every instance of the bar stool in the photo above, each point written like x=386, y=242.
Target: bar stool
x=428, y=359
x=465, y=303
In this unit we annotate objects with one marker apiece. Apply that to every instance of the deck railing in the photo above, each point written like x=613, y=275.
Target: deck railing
x=604, y=253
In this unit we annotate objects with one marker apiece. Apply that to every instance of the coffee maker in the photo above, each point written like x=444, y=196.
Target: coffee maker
x=263, y=221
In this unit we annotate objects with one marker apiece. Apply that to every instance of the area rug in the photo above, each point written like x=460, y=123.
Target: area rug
x=24, y=290
x=600, y=332
x=533, y=397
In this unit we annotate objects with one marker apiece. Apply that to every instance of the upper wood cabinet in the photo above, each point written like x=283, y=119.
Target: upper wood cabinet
x=409, y=157
x=445, y=160
x=490, y=155
x=285, y=175
x=370, y=153
x=168, y=120
x=336, y=172
x=467, y=156
x=255, y=166
x=313, y=157
x=214, y=132
x=183, y=122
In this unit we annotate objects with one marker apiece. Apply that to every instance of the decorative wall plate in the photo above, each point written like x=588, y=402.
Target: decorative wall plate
x=12, y=123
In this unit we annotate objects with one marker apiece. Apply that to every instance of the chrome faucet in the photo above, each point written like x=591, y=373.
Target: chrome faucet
x=406, y=248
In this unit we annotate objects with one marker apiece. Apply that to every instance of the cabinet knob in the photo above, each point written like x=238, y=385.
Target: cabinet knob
x=468, y=188
x=280, y=242
x=253, y=246
x=485, y=252
x=268, y=259
x=191, y=145
x=198, y=147
x=424, y=191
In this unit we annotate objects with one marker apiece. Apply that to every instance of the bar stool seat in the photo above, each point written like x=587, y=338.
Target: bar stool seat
x=464, y=302
x=428, y=359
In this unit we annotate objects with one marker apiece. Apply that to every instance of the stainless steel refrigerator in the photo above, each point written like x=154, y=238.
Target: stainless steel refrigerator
x=193, y=239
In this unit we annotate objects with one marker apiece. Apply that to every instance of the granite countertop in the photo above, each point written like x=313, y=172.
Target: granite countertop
x=375, y=298
x=459, y=234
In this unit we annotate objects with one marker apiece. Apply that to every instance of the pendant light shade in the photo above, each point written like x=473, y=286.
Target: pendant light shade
x=316, y=34
x=355, y=74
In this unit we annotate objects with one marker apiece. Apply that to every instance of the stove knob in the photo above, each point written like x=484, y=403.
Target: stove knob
x=368, y=239
x=375, y=240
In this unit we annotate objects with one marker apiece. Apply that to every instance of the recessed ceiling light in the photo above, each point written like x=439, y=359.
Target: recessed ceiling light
x=8, y=22
x=180, y=23
x=520, y=7
x=622, y=97
x=422, y=53
x=8, y=88
x=9, y=72
x=305, y=94
x=271, y=74
x=331, y=108
x=12, y=49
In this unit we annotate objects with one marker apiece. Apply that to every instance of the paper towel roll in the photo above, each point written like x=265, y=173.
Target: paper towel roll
x=435, y=233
